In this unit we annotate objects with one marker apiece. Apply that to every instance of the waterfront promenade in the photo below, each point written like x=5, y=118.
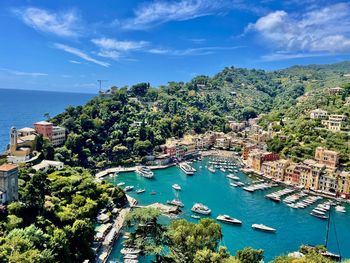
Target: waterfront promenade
x=121, y=169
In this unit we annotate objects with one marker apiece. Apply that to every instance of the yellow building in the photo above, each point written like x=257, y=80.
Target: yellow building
x=343, y=185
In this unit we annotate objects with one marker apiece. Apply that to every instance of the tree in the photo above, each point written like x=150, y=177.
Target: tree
x=250, y=255
x=140, y=89
x=149, y=234
x=186, y=238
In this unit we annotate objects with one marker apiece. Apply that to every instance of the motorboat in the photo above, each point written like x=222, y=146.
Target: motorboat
x=211, y=169
x=233, y=184
x=121, y=184
x=187, y=169
x=240, y=183
x=228, y=219
x=324, y=217
x=195, y=216
x=340, y=209
x=201, y=209
x=222, y=169
x=128, y=188
x=176, y=202
x=130, y=256
x=140, y=191
x=176, y=187
x=264, y=228
x=130, y=251
x=144, y=171
x=232, y=176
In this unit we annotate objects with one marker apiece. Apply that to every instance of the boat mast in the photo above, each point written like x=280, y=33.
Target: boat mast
x=328, y=222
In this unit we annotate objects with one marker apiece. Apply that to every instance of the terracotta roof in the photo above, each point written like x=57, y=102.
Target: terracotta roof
x=7, y=167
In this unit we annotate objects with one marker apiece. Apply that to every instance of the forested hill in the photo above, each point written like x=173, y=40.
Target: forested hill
x=122, y=125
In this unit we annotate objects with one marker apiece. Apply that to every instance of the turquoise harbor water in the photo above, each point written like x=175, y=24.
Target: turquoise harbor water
x=294, y=226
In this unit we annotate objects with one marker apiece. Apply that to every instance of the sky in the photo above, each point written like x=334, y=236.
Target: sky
x=69, y=45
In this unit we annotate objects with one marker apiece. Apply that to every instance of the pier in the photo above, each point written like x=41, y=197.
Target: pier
x=120, y=169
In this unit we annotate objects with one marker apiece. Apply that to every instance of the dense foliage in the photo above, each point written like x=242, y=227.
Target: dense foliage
x=124, y=125
x=53, y=219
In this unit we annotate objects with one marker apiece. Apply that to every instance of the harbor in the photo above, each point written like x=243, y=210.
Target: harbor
x=293, y=226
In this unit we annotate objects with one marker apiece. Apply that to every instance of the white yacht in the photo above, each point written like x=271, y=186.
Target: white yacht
x=186, y=168
x=140, y=191
x=263, y=228
x=232, y=176
x=128, y=188
x=340, y=209
x=211, y=169
x=200, y=209
x=228, y=219
x=144, y=171
x=233, y=184
x=176, y=187
x=120, y=184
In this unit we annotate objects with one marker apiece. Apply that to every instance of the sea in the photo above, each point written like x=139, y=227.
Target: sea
x=22, y=108
x=294, y=226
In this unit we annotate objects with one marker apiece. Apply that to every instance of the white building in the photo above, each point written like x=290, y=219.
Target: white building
x=58, y=135
x=318, y=114
x=47, y=164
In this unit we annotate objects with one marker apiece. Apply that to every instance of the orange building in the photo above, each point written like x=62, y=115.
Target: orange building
x=44, y=128
x=327, y=157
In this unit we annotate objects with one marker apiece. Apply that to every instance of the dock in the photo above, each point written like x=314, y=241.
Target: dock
x=121, y=169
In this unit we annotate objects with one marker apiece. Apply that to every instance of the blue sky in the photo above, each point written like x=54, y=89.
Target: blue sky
x=68, y=45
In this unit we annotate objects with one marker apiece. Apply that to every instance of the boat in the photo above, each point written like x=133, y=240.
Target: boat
x=233, y=184
x=132, y=251
x=222, y=169
x=228, y=219
x=186, y=168
x=340, y=209
x=200, y=209
x=152, y=193
x=176, y=187
x=128, y=188
x=120, y=184
x=130, y=256
x=321, y=216
x=232, y=176
x=140, y=191
x=176, y=202
x=264, y=228
x=131, y=260
x=144, y=171
x=195, y=216
x=239, y=183
x=211, y=169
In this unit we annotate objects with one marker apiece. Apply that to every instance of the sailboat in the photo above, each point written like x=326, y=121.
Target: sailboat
x=335, y=257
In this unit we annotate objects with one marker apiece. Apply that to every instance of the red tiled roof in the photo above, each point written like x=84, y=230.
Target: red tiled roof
x=7, y=167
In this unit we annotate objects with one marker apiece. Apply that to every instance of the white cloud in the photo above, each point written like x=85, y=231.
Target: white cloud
x=114, y=44
x=286, y=55
x=23, y=73
x=112, y=54
x=324, y=29
x=190, y=51
x=162, y=11
x=75, y=62
x=63, y=24
x=80, y=54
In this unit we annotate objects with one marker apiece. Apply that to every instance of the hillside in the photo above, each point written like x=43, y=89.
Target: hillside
x=122, y=125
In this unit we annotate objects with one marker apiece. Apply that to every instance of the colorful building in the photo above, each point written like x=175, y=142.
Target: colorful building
x=55, y=134
x=327, y=157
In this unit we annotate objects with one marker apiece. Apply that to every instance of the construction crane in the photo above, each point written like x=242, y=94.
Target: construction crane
x=100, y=82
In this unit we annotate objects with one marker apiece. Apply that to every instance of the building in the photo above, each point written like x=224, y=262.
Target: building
x=180, y=149
x=8, y=183
x=328, y=182
x=26, y=132
x=223, y=142
x=329, y=158
x=343, y=182
x=247, y=149
x=256, y=158
x=335, y=122
x=316, y=171
x=47, y=164
x=335, y=91
x=20, y=149
x=44, y=128
x=58, y=135
x=55, y=134
x=237, y=126
x=281, y=169
x=318, y=114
